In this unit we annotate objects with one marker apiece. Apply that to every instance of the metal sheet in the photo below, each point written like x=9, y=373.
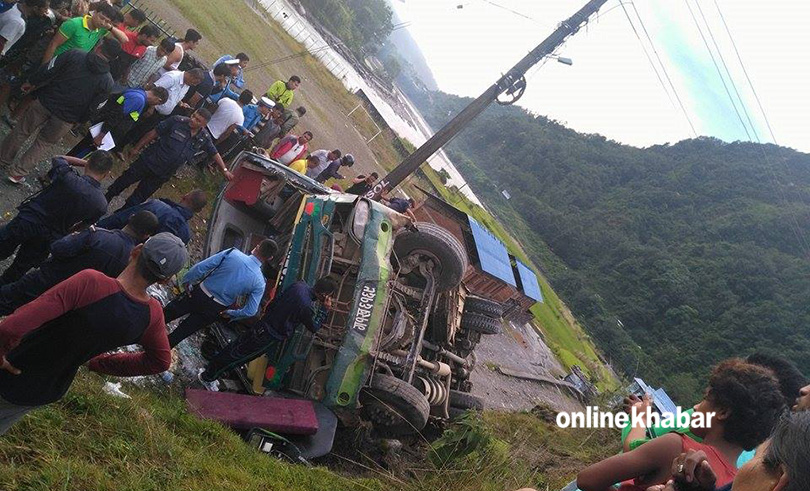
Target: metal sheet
x=531, y=287
x=492, y=253
x=663, y=402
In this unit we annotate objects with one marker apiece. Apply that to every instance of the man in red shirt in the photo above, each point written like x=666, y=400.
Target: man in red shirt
x=291, y=148
x=133, y=50
x=43, y=343
x=132, y=19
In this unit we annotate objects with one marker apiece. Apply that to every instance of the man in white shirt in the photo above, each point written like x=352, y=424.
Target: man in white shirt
x=226, y=119
x=325, y=157
x=12, y=21
x=176, y=84
x=174, y=59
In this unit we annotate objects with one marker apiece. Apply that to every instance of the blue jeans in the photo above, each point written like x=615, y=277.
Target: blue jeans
x=11, y=413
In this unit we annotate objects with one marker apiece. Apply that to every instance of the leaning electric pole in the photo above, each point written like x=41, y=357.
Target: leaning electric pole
x=513, y=83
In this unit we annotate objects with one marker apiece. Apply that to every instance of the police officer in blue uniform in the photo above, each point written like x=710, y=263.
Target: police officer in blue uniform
x=93, y=248
x=69, y=202
x=298, y=304
x=176, y=140
x=172, y=217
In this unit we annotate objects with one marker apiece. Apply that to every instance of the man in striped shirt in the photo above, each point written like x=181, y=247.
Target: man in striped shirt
x=144, y=70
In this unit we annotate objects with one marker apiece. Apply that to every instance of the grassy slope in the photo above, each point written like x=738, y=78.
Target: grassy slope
x=559, y=329
x=91, y=440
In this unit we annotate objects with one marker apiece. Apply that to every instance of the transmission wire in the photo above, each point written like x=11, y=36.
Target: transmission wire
x=663, y=67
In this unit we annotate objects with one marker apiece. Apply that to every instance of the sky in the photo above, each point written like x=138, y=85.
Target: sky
x=611, y=88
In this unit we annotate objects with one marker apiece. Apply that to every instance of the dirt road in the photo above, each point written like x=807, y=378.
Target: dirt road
x=518, y=348
x=12, y=195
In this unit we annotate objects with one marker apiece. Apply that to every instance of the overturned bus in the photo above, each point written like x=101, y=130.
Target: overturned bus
x=387, y=353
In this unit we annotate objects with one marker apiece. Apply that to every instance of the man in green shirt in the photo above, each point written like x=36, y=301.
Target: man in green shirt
x=282, y=92
x=83, y=33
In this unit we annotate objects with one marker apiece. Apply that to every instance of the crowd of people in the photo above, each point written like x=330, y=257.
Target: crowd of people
x=758, y=440
x=76, y=289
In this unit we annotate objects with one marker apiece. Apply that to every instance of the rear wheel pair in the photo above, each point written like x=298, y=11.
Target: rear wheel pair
x=398, y=408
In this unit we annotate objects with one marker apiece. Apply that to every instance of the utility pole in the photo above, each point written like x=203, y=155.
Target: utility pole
x=513, y=84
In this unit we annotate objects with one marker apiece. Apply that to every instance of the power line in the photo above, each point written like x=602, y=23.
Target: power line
x=663, y=67
x=728, y=72
x=750, y=84
x=794, y=223
x=797, y=229
x=401, y=25
x=646, y=53
x=519, y=14
x=717, y=67
x=287, y=58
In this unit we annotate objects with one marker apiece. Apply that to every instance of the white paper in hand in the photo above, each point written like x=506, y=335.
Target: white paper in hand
x=107, y=143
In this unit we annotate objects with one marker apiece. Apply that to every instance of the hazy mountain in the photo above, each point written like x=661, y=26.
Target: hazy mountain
x=673, y=257
x=410, y=52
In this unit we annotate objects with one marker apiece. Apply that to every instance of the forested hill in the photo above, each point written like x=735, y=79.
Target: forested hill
x=673, y=256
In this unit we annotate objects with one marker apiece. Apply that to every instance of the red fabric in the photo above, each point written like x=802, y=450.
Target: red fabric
x=132, y=47
x=75, y=292
x=69, y=326
x=78, y=291
x=245, y=187
x=293, y=416
x=724, y=470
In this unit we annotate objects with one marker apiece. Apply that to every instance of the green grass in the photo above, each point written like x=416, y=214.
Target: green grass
x=541, y=455
x=93, y=441
x=560, y=331
x=248, y=31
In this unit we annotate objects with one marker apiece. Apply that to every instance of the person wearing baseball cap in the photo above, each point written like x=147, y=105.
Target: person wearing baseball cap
x=43, y=343
x=256, y=116
x=240, y=62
